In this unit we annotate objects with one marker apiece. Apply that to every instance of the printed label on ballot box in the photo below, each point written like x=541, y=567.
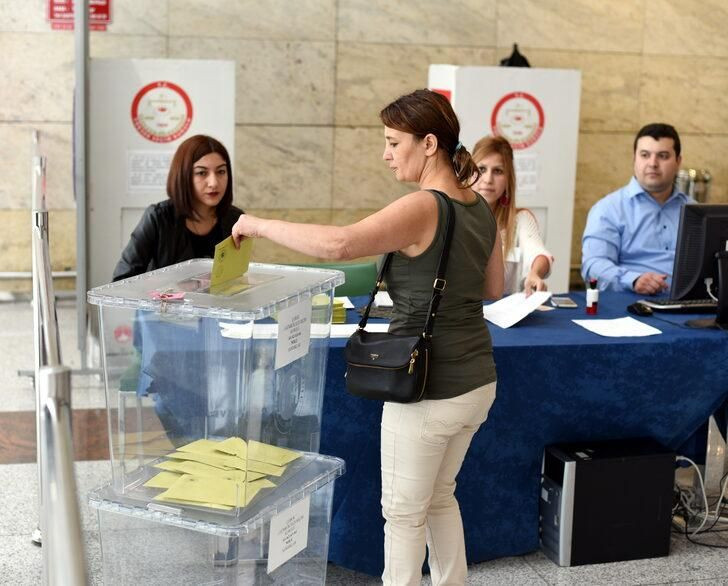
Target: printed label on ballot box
x=294, y=333
x=288, y=533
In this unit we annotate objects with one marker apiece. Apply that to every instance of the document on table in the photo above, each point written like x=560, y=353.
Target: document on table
x=346, y=330
x=512, y=309
x=382, y=299
x=623, y=327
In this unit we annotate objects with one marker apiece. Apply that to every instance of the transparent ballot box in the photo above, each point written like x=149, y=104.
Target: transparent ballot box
x=183, y=362
x=282, y=537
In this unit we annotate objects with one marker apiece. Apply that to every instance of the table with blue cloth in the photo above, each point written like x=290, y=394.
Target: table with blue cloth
x=557, y=382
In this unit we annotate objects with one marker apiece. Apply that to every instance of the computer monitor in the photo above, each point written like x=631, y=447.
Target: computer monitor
x=702, y=256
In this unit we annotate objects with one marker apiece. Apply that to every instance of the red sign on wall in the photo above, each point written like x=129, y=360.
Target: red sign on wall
x=60, y=14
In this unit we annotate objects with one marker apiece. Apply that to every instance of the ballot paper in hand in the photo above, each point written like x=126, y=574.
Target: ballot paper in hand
x=229, y=263
x=623, y=327
x=512, y=309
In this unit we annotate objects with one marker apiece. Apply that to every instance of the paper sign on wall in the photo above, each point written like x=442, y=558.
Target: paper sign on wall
x=60, y=14
x=294, y=333
x=147, y=170
x=288, y=533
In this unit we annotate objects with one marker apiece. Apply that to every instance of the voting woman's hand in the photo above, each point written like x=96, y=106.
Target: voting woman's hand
x=247, y=226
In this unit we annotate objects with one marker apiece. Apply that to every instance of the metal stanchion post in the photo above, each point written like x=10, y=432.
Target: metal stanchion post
x=39, y=232
x=63, y=559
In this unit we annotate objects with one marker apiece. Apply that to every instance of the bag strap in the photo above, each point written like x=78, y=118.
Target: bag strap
x=438, y=286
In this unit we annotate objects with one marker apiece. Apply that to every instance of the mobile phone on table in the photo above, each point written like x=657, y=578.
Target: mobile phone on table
x=565, y=302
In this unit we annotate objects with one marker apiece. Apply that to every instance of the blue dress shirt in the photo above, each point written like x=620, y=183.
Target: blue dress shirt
x=629, y=233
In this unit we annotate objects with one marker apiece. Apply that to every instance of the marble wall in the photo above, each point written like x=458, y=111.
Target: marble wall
x=312, y=76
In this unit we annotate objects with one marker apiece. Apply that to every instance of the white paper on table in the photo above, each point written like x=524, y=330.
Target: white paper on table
x=512, y=309
x=382, y=299
x=347, y=302
x=623, y=327
x=346, y=330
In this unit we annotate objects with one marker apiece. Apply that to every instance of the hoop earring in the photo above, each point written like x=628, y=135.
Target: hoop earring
x=504, y=200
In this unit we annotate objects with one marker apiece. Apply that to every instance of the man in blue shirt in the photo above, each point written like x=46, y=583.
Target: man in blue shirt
x=630, y=235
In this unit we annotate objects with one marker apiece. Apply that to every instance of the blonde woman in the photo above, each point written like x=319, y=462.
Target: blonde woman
x=527, y=262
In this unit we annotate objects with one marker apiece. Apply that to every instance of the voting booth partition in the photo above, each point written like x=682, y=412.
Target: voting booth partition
x=537, y=111
x=140, y=111
x=215, y=420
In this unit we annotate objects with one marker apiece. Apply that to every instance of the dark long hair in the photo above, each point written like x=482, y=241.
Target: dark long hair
x=426, y=112
x=179, y=181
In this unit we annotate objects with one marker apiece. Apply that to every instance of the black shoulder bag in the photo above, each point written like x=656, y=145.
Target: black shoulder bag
x=388, y=367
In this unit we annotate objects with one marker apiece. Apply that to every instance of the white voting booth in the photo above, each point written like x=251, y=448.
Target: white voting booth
x=537, y=111
x=140, y=110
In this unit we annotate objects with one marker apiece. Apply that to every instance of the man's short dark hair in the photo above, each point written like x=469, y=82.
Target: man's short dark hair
x=658, y=130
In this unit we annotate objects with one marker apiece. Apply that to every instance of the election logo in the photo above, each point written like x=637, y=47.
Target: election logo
x=161, y=111
x=518, y=117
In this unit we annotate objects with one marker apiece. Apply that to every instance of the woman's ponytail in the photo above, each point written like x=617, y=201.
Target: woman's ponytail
x=464, y=166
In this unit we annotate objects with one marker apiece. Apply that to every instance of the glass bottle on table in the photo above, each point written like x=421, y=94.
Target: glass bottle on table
x=592, y=297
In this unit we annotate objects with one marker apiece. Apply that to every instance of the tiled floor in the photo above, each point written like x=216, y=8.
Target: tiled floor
x=20, y=561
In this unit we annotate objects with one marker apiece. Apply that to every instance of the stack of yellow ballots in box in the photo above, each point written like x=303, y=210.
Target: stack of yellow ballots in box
x=339, y=313
x=220, y=475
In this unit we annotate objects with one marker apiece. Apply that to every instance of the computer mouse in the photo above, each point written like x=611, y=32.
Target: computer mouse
x=640, y=309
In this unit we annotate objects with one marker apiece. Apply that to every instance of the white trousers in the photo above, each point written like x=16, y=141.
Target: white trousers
x=423, y=447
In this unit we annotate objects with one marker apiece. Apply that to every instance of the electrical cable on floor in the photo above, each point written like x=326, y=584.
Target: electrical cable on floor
x=684, y=507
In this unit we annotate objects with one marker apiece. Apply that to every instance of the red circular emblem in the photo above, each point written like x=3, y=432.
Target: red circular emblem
x=161, y=111
x=518, y=117
x=123, y=334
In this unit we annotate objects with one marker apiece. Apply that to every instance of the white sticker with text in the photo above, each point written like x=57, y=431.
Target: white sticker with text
x=294, y=333
x=288, y=533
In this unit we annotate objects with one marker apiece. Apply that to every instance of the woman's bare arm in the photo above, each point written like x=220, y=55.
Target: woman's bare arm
x=408, y=224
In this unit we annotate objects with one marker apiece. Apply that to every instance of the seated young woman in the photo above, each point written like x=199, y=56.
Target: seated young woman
x=527, y=262
x=196, y=216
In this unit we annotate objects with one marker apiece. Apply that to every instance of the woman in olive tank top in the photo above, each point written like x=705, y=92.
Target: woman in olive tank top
x=423, y=444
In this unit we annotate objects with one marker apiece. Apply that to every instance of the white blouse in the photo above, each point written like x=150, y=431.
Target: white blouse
x=527, y=246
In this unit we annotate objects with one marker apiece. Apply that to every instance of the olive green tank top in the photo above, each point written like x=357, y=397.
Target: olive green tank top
x=462, y=352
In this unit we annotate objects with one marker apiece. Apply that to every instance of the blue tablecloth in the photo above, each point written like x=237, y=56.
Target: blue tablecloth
x=556, y=382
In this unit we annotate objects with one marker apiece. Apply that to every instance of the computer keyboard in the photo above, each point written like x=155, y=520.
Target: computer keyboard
x=681, y=305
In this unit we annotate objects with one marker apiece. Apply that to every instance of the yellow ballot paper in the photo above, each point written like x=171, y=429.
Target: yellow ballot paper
x=254, y=487
x=234, y=446
x=225, y=462
x=201, y=446
x=164, y=499
x=164, y=479
x=230, y=262
x=263, y=467
x=216, y=460
x=270, y=454
x=214, y=490
x=200, y=469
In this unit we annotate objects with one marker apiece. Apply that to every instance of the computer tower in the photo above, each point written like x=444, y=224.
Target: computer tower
x=606, y=501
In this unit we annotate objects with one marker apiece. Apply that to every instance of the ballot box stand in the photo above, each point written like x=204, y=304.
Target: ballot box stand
x=281, y=538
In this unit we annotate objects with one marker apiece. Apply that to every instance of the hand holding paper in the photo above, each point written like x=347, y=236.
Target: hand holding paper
x=512, y=309
x=230, y=262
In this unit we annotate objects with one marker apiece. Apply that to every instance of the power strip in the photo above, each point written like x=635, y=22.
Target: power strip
x=679, y=522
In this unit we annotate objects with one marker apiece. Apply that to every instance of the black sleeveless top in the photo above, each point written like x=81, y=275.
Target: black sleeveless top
x=462, y=353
